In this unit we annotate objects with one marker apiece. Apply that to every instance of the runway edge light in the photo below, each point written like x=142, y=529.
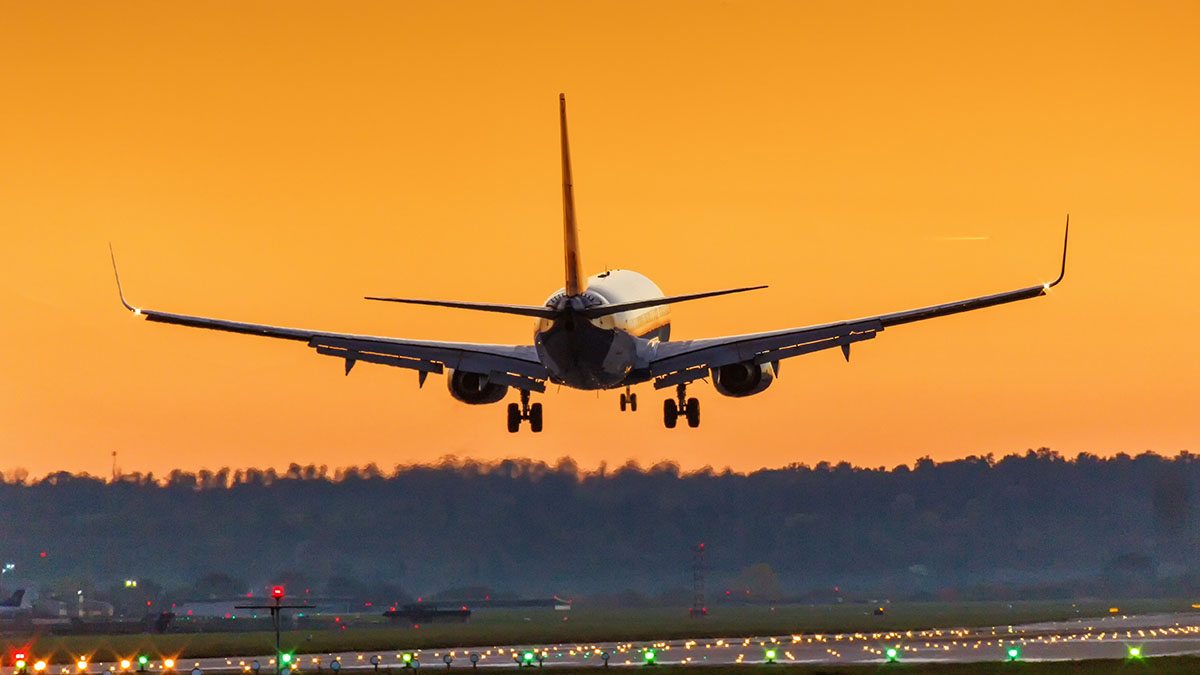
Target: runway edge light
x=892, y=654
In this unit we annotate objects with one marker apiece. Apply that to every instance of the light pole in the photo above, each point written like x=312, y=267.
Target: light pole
x=275, y=608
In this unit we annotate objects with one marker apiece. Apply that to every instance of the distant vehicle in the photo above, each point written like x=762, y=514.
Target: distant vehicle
x=607, y=331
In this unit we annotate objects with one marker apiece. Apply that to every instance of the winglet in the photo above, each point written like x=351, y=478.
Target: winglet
x=1063, y=272
x=117, y=276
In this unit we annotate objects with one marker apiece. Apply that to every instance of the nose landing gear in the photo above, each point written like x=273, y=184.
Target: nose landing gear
x=688, y=407
x=628, y=401
x=524, y=411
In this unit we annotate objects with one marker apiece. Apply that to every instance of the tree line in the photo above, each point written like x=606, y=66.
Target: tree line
x=1036, y=519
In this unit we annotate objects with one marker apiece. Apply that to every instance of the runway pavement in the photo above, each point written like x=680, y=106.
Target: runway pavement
x=1110, y=637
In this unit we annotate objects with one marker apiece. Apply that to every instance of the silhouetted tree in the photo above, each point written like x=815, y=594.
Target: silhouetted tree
x=524, y=526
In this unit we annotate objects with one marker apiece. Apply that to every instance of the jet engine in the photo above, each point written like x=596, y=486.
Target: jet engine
x=474, y=388
x=745, y=378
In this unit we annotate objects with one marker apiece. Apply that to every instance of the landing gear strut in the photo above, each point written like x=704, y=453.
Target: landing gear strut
x=524, y=411
x=688, y=407
x=628, y=401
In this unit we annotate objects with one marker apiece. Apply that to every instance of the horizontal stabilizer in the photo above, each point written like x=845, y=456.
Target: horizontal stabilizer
x=519, y=310
x=605, y=310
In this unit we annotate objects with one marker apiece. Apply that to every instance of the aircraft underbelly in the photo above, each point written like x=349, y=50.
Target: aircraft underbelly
x=585, y=356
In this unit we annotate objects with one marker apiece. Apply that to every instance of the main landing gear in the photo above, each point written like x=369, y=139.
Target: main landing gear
x=628, y=401
x=688, y=407
x=524, y=411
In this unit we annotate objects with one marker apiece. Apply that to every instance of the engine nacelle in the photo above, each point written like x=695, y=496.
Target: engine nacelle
x=474, y=388
x=743, y=379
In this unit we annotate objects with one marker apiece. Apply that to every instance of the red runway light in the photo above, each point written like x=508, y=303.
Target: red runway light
x=277, y=592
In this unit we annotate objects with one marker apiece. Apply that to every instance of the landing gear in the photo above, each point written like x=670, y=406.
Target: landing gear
x=535, y=418
x=514, y=418
x=524, y=411
x=681, y=405
x=628, y=401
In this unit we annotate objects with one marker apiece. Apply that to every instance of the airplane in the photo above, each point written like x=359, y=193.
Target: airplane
x=606, y=331
x=15, y=605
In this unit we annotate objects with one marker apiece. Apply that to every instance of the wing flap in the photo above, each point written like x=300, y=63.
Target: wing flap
x=717, y=352
x=674, y=362
x=424, y=356
x=421, y=355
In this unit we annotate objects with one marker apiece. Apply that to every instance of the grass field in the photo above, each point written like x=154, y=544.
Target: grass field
x=581, y=625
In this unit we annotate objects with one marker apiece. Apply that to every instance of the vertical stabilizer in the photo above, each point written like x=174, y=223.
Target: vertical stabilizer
x=575, y=281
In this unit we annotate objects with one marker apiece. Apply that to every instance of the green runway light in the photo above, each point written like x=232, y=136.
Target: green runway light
x=285, y=658
x=649, y=656
x=892, y=654
x=1135, y=652
x=769, y=656
x=1014, y=653
x=527, y=658
x=143, y=660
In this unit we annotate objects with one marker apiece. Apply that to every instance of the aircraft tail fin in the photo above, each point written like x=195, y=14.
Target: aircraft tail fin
x=576, y=282
x=15, y=599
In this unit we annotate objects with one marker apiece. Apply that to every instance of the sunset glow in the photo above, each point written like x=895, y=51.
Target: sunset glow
x=277, y=161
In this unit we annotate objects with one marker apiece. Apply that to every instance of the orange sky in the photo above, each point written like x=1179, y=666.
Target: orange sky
x=275, y=161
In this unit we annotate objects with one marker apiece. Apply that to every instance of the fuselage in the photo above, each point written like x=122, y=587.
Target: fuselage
x=609, y=351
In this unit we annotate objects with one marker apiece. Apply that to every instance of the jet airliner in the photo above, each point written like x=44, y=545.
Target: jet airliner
x=607, y=331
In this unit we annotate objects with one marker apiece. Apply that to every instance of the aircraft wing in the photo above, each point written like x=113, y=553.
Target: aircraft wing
x=674, y=363
x=514, y=365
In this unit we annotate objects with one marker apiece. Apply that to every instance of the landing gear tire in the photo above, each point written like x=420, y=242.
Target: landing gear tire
x=633, y=403
x=535, y=418
x=681, y=405
x=624, y=402
x=693, y=412
x=670, y=413
x=519, y=412
x=514, y=418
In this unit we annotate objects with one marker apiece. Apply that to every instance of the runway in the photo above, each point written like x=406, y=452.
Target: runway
x=1112, y=637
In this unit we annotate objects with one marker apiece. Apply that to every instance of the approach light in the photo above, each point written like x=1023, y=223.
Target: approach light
x=1135, y=652
x=649, y=657
x=285, y=658
x=39, y=666
x=769, y=656
x=20, y=664
x=1013, y=653
x=407, y=658
x=168, y=663
x=277, y=592
x=125, y=663
x=892, y=654
x=81, y=664
x=143, y=660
